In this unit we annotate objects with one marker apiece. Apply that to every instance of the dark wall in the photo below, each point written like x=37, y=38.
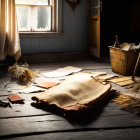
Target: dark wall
x=122, y=18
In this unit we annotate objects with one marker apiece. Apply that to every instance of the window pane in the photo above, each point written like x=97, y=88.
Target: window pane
x=34, y=2
x=22, y=14
x=43, y=19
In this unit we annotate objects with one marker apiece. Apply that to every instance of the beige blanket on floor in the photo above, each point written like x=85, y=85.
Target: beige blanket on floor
x=74, y=93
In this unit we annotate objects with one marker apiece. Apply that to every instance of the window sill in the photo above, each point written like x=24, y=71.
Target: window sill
x=39, y=34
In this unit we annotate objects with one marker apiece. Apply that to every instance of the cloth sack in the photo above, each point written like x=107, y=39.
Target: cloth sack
x=77, y=92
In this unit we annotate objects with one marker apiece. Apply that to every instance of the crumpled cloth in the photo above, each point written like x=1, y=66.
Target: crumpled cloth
x=77, y=92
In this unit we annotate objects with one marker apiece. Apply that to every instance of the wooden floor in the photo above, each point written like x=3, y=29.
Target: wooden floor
x=25, y=122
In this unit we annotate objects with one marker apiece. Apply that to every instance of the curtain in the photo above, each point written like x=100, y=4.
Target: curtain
x=9, y=36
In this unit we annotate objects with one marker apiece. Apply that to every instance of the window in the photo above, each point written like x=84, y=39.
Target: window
x=38, y=15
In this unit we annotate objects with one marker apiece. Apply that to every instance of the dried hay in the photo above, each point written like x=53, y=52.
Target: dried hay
x=21, y=73
x=128, y=102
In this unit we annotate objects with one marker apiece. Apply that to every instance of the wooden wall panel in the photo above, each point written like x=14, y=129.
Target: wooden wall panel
x=72, y=39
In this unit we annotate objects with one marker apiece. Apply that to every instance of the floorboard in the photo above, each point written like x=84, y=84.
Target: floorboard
x=23, y=121
x=47, y=123
x=21, y=110
x=117, y=134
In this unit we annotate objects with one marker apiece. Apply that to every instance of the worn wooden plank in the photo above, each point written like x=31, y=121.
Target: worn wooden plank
x=27, y=120
x=48, y=68
x=117, y=134
x=49, y=123
x=22, y=110
x=27, y=110
x=4, y=93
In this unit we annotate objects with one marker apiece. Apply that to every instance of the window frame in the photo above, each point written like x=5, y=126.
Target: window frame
x=56, y=23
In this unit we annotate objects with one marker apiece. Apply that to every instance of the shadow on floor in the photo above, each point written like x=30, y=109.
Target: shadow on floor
x=82, y=117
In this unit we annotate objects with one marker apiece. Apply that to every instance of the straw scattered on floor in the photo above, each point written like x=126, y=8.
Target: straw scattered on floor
x=128, y=102
x=21, y=73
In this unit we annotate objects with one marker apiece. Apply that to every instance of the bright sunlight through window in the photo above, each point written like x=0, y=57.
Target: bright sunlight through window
x=35, y=15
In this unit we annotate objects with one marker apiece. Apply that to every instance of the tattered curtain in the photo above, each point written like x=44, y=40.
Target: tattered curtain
x=9, y=36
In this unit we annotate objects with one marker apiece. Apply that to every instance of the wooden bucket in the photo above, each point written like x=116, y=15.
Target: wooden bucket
x=123, y=62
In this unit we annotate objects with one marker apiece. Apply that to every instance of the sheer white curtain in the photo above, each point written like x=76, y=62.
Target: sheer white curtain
x=9, y=36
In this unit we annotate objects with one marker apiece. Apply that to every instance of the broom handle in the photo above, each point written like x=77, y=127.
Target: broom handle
x=136, y=67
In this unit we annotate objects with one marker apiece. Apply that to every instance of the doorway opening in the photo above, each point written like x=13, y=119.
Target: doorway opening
x=120, y=18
